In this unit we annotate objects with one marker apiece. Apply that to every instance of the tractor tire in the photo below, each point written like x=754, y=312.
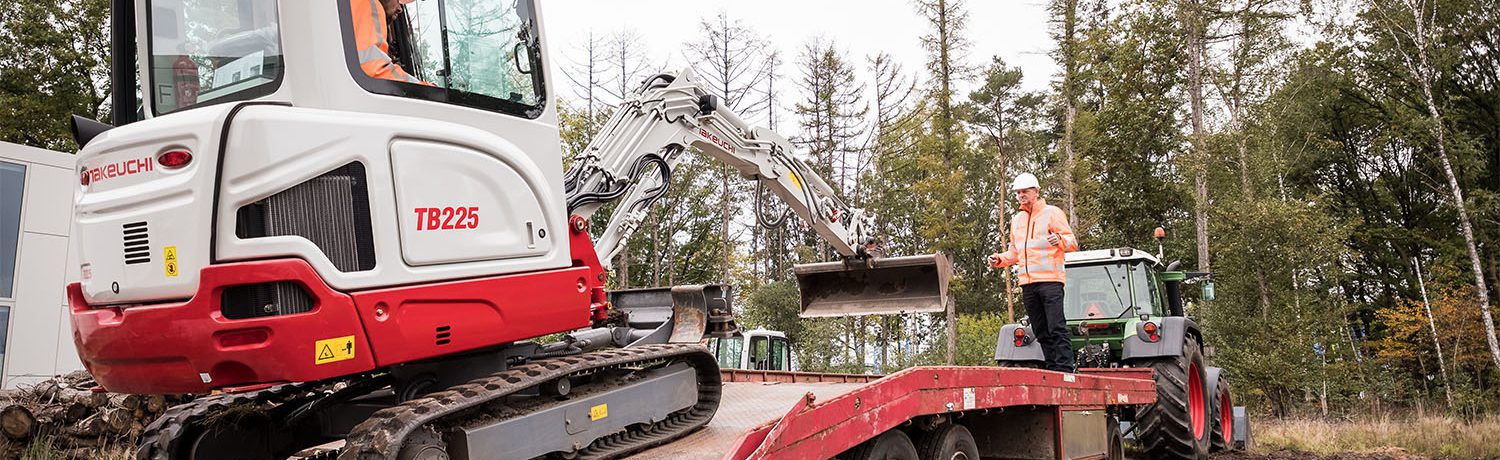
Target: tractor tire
x=948, y=442
x=1176, y=426
x=1223, y=421
x=892, y=445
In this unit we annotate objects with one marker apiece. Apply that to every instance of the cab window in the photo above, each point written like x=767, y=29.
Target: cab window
x=779, y=355
x=478, y=53
x=209, y=51
x=729, y=350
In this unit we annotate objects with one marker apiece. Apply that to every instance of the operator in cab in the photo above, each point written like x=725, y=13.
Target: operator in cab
x=1039, y=238
x=370, y=26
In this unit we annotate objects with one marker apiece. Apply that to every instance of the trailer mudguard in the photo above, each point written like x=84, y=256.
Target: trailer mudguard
x=1172, y=330
x=1006, y=349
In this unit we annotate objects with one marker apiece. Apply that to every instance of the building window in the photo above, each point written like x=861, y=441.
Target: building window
x=4, y=336
x=12, y=186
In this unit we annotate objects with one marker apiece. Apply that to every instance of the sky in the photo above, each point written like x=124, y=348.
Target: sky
x=1015, y=30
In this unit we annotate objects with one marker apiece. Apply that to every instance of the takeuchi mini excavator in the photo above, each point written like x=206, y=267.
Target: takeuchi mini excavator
x=349, y=259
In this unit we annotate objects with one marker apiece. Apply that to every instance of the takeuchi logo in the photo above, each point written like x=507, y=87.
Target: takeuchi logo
x=123, y=168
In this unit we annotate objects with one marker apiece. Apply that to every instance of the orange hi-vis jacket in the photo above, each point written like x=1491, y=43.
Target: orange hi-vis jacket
x=368, y=17
x=1039, y=260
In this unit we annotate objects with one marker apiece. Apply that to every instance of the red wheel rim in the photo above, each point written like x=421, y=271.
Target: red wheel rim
x=1196, y=404
x=1226, y=416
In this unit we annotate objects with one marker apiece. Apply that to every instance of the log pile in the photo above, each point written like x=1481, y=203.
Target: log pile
x=74, y=416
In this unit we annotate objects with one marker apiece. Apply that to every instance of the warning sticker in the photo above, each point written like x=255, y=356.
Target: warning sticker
x=598, y=412
x=170, y=257
x=334, y=350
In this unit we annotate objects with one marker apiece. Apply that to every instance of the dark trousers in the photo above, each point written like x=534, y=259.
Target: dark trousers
x=1044, y=305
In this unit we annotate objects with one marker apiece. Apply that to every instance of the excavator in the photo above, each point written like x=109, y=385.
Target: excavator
x=352, y=267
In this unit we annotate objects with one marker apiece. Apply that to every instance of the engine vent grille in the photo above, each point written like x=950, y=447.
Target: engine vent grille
x=137, y=243
x=444, y=335
x=266, y=299
x=332, y=211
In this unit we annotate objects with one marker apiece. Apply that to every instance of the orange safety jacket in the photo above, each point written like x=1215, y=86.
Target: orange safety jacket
x=368, y=17
x=1038, y=260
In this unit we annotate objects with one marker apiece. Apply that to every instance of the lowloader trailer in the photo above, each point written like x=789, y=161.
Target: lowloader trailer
x=921, y=413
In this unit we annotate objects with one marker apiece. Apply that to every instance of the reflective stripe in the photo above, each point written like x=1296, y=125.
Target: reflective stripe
x=373, y=53
x=375, y=9
x=1038, y=244
x=1041, y=266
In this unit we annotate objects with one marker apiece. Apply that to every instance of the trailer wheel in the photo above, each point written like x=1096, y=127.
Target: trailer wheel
x=1223, y=417
x=892, y=445
x=1177, y=425
x=1116, y=441
x=948, y=442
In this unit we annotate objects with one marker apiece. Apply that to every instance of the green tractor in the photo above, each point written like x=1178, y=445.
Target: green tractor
x=1125, y=310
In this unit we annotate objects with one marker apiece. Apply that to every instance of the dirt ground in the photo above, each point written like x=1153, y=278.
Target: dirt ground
x=1378, y=454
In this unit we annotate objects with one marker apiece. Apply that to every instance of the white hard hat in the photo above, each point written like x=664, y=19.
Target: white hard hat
x=1025, y=181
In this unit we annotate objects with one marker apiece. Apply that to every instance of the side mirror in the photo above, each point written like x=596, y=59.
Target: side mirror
x=1208, y=291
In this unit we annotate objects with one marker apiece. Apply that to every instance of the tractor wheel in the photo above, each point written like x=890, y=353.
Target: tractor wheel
x=1177, y=425
x=949, y=442
x=1223, y=422
x=893, y=445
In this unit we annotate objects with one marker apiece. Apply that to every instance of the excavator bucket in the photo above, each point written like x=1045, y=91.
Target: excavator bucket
x=909, y=284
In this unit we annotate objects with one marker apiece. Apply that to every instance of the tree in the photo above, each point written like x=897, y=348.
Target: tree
x=730, y=58
x=1419, y=33
x=54, y=63
x=627, y=63
x=998, y=109
x=587, y=75
x=831, y=115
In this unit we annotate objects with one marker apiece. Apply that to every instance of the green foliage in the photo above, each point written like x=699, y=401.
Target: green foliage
x=53, y=64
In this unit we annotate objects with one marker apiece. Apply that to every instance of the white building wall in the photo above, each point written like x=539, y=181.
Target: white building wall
x=39, y=342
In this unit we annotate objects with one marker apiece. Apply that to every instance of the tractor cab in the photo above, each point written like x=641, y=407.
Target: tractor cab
x=1110, y=284
x=1119, y=304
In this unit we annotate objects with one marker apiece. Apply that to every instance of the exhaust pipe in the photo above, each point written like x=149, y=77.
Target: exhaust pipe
x=910, y=284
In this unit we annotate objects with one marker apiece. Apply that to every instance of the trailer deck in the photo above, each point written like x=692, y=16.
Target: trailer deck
x=804, y=415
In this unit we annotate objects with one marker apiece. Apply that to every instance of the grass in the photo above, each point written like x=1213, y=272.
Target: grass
x=1432, y=436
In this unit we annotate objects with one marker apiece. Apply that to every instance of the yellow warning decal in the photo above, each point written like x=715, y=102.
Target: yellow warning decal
x=795, y=180
x=334, y=350
x=170, y=256
x=598, y=412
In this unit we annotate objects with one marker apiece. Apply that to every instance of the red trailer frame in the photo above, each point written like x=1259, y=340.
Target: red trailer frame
x=1034, y=397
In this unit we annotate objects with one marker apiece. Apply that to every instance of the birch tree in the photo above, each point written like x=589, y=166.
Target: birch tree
x=1411, y=22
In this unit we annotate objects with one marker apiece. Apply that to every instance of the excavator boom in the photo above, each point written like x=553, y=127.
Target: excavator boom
x=672, y=115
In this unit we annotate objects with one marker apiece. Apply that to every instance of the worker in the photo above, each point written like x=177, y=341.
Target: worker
x=369, y=18
x=1039, y=238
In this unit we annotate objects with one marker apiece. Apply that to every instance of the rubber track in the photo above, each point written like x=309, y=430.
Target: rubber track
x=1166, y=429
x=381, y=436
x=162, y=437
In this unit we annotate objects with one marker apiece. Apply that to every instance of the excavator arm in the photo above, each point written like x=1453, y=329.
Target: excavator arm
x=631, y=160
x=634, y=152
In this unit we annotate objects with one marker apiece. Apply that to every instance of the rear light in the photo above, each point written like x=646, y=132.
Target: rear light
x=1152, y=332
x=173, y=159
x=1021, y=339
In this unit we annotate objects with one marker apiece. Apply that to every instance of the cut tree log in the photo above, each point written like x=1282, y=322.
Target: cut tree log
x=117, y=419
x=17, y=422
